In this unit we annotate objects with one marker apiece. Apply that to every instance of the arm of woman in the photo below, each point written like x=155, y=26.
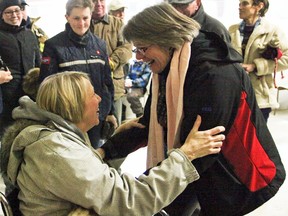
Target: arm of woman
x=96, y=184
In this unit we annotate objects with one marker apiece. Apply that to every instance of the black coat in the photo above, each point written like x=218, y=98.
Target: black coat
x=217, y=88
x=210, y=24
x=20, y=52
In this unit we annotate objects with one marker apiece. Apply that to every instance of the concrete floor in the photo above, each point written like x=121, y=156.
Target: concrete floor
x=277, y=206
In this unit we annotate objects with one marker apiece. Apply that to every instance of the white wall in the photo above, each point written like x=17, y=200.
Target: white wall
x=53, y=11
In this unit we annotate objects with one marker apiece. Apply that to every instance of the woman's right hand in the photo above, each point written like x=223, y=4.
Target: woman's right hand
x=5, y=76
x=202, y=143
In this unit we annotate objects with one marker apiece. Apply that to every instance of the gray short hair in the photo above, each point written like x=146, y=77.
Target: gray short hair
x=161, y=25
x=78, y=4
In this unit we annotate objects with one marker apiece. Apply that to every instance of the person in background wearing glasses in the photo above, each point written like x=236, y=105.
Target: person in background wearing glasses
x=191, y=78
x=19, y=51
x=195, y=10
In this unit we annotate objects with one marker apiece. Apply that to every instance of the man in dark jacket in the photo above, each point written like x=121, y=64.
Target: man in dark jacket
x=195, y=10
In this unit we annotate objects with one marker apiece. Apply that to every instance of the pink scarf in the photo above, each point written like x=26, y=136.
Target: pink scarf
x=174, y=100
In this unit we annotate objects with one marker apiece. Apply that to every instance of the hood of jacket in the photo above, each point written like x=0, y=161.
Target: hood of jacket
x=210, y=47
x=26, y=115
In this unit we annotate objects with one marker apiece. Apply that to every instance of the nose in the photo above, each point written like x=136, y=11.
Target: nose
x=98, y=98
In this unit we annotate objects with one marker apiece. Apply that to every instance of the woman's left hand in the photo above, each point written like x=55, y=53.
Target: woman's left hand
x=129, y=124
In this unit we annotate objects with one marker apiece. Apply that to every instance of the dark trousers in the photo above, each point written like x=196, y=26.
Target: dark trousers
x=133, y=97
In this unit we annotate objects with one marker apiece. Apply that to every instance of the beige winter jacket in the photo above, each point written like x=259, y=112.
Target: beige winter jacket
x=57, y=171
x=119, y=51
x=262, y=78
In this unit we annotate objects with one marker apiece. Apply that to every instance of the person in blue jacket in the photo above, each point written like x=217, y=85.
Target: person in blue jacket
x=78, y=49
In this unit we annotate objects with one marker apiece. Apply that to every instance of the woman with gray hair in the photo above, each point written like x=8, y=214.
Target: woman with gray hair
x=200, y=78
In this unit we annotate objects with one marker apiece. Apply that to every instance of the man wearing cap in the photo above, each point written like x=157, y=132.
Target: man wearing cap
x=117, y=8
x=195, y=10
x=108, y=28
x=19, y=51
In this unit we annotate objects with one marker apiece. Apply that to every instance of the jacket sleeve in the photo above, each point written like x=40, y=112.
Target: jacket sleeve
x=123, y=52
x=108, y=76
x=133, y=138
x=279, y=40
x=49, y=63
x=214, y=96
x=108, y=193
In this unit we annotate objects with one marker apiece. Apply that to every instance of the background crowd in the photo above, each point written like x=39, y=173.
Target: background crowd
x=119, y=54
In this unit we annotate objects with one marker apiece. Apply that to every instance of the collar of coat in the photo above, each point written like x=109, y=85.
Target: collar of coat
x=81, y=40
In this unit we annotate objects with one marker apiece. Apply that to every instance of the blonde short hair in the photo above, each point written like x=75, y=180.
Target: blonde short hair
x=64, y=94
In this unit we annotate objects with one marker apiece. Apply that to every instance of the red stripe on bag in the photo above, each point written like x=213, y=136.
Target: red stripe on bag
x=244, y=152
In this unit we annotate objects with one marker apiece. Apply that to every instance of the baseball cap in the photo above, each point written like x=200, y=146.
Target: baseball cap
x=180, y=1
x=116, y=5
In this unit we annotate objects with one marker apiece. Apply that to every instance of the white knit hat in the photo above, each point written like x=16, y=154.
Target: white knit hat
x=116, y=5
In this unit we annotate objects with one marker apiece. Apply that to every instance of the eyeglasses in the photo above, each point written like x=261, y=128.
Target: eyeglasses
x=141, y=50
x=10, y=13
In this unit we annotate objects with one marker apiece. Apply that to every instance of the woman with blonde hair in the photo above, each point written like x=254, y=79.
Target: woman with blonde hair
x=56, y=170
